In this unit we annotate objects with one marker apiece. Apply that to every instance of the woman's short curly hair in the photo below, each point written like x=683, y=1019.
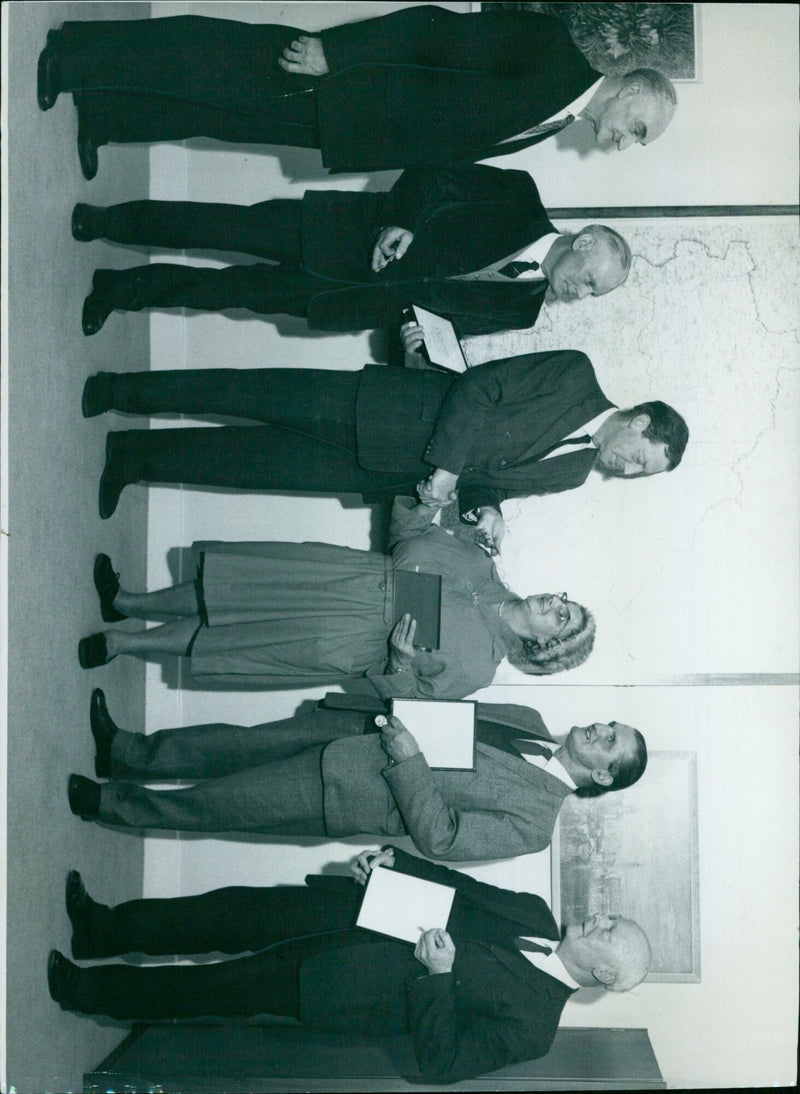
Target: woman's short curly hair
x=556, y=654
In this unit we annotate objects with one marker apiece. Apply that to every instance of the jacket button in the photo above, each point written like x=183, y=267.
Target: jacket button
x=503, y=463
x=382, y=585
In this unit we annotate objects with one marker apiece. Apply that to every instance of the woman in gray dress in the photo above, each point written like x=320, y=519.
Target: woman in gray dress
x=302, y=614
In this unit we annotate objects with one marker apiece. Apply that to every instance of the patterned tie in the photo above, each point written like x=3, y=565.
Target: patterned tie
x=514, y=269
x=584, y=439
x=543, y=130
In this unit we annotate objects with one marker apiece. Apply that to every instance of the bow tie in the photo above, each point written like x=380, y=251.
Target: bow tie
x=514, y=269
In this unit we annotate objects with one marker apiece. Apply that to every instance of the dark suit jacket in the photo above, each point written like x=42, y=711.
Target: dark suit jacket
x=493, y=1009
x=429, y=87
x=489, y=426
x=463, y=219
x=505, y=807
x=418, y=87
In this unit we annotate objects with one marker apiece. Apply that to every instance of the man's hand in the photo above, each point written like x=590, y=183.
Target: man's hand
x=490, y=530
x=305, y=56
x=397, y=742
x=401, y=643
x=412, y=336
x=438, y=489
x=365, y=863
x=392, y=244
x=435, y=950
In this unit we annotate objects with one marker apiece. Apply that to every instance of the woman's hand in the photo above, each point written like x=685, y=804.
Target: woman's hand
x=365, y=863
x=490, y=530
x=401, y=643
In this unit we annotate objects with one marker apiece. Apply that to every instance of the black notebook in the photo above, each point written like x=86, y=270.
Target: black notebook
x=421, y=596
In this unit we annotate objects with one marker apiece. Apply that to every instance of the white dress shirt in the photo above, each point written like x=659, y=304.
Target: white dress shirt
x=590, y=429
x=552, y=766
x=574, y=108
x=550, y=963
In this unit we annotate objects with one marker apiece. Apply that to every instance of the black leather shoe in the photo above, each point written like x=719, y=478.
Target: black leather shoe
x=87, y=154
x=107, y=584
x=98, y=394
x=48, y=76
x=96, y=309
x=87, y=222
x=112, y=482
x=93, y=651
x=81, y=909
x=84, y=797
x=62, y=980
x=104, y=730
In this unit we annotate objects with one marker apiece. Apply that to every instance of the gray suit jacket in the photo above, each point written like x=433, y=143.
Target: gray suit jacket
x=505, y=807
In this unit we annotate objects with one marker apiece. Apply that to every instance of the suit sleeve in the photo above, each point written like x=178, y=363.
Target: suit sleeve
x=440, y=830
x=474, y=403
x=431, y=36
x=421, y=192
x=453, y=1043
x=521, y=907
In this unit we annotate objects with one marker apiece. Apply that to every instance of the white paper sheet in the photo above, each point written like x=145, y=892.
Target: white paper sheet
x=441, y=341
x=402, y=906
x=445, y=731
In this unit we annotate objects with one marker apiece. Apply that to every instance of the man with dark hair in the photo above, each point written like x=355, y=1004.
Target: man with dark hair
x=497, y=978
x=422, y=86
x=326, y=774
x=472, y=243
x=533, y=424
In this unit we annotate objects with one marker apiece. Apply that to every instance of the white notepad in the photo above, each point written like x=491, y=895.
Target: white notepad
x=441, y=341
x=403, y=906
x=444, y=730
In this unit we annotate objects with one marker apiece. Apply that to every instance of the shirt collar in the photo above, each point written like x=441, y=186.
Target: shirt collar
x=594, y=425
x=549, y=963
x=583, y=101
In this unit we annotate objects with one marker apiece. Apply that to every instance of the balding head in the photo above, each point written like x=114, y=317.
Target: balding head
x=606, y=951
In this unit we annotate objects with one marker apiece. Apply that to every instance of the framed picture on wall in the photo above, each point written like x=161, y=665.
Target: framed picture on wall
x=634, y=854
x=616, y=38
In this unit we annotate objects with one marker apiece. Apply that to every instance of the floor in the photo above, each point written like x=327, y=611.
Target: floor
x=55, y=530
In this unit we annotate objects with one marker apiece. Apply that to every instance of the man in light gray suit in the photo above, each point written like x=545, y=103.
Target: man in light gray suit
x=329, y=773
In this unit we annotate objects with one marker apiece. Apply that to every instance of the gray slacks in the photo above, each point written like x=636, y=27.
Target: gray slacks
x=265, y=778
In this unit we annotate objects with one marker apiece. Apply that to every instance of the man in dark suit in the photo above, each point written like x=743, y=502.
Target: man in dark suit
x=326, y=774
x=472, y=243
x=497, y=979
x=418, y=87
x=533, y=424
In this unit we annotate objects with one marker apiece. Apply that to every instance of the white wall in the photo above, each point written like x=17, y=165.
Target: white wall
x=734, y=1028
x=732, y=140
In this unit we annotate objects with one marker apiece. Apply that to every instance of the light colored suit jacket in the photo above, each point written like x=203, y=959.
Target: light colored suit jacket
x=505, y=807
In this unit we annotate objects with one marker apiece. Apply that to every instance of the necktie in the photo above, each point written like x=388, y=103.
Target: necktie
x=533, y=947
x=531, y=748
x=543, y=130
x=514, y=269
x=584, y=439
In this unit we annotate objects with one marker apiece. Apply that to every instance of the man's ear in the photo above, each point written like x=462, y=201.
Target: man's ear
x=602, y=776
x=583, y=241
x=630, y=91
x=640, y=423
x=606, y=977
